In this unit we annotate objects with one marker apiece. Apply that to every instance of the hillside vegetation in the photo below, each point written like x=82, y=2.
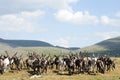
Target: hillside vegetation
x=45, y=50
x=39, y=50
x=25, y=43
x=110, y=47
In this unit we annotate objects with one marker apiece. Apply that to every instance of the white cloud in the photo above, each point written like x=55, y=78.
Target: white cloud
x=72, y=0
x=14, y=6
x=108, y=35
x=26, y=14
x=118, y=14
x=85, y=18
x=109, y=21
x=105, y=20
x=59, y=4
x=76, y=17
x=61, y=42
x=19, y=22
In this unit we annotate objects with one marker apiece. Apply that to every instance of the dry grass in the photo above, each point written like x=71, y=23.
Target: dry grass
x=24, y=75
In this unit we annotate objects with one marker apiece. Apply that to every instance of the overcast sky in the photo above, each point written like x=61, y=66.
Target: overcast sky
x=67, y=23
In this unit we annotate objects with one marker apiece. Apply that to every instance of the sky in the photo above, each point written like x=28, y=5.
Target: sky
x=67, y=23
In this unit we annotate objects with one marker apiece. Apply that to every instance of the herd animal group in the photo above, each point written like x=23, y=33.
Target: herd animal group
x=71, y=64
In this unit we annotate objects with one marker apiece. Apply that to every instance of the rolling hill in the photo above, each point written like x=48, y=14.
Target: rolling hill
x=25, y=43
x=30, y=43
x=109, y=47
x=25, y=46
x=69, y=48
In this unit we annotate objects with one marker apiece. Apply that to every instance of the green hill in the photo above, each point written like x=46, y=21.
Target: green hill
x=110, y=47
x=113, y=43
x=25, y=46
x=25, y=43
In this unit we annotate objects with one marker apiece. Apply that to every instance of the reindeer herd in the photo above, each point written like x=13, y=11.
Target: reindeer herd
x=72, y=64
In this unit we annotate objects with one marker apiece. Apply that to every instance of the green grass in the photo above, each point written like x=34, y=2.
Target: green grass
x=45, y=50
x=94, y=48
x=110, y=47
x=39, y=50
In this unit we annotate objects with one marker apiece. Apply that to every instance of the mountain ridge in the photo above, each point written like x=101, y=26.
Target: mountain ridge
x=31, y=43
x=25, y=43
x=110, y=46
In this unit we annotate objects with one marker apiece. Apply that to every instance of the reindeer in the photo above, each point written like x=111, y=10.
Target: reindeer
x=1, y=65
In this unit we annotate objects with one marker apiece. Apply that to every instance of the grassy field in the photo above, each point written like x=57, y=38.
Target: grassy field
x=39, y=50
x=94, y=48
x=51, y=75
x=45, y=50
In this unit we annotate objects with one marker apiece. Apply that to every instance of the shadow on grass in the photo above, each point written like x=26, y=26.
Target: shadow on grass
x=67, y=74
x=31, y=72
x=60, y=73
x=55, y=71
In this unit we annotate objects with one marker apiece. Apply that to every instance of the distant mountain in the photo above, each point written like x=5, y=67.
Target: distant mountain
x=25, y=46
x=113, y=43
x=30, y=43
x=109, y=46
x=70, y=48
x=25, y=43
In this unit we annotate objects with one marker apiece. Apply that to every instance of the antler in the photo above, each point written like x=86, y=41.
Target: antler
x=7, y=53
x=1, y=56
x=21, y=55
x=15, y=54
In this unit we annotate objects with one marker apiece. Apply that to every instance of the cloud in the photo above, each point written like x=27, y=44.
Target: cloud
x=105, y=20
x=76, y=17
x=85, y=18
x=19, y=22
x=108, y=35
x=71, y=1
x=26, y=14
x=59, y=4
x=7, y=6
x=63, y=42
x=118, y=14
